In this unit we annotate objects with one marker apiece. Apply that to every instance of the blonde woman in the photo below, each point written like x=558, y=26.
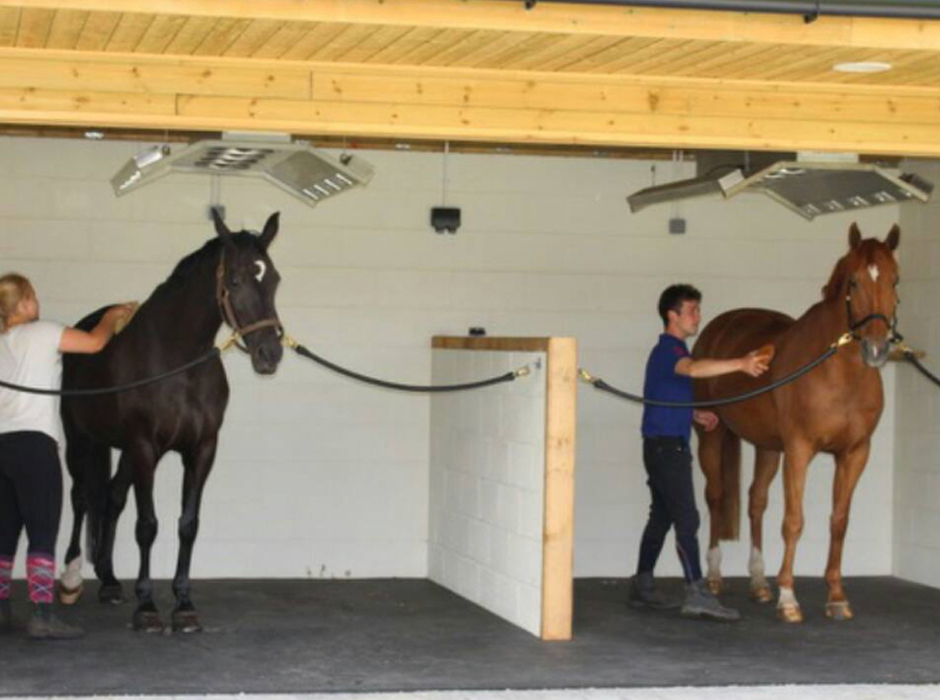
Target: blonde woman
x=30, y=430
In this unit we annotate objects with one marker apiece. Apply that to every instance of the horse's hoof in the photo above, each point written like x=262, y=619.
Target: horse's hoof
x=147, y=621
x=111, y=593
x=70, y=596
x=186, y=621
x=790, y=613
x=761, y=594
x=715, y=586
x=839, y=611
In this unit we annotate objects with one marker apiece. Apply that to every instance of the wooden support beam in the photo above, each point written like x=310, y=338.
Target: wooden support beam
x=68, y=88
x=561, y=417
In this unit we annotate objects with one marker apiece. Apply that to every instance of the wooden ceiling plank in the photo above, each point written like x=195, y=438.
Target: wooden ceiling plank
x=470, y=42
x=568, y=18
x=9, y=25
x=374, y=43
x=252, y=38
x=318, y=36
x=409, y=41
x=350, y=37
x=619, y=54
x=650, y=55
x=129, y=31
x=283, y=40
x=34, y=28
x=532, y=45
x=98, y=31
x=432, y=45
x=813, y=61
x=695, y=56
x=491, y=54
x=722, y=65
x=577, y=52
x=225, y=33
x=66, y=29
x=539, y=59
x=160, y=34
x=191, y=35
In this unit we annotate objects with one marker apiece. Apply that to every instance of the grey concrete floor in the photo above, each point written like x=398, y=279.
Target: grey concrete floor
x=305, y=636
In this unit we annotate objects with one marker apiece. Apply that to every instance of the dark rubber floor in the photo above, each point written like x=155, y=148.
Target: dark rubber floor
x=290, y=636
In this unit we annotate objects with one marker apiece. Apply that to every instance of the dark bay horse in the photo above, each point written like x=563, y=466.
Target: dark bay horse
x=833, y=409
x=230, y=279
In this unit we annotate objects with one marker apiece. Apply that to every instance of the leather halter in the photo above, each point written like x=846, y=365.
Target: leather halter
x=223, y=295
x=854, y=325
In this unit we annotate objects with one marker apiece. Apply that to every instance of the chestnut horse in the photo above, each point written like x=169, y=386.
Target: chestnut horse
x=834, y=409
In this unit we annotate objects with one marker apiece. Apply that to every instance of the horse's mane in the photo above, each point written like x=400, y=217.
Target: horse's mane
x=185, y=266
x=839, y=276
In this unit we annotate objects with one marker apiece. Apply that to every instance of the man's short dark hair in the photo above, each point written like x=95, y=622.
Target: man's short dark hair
x=672, y=297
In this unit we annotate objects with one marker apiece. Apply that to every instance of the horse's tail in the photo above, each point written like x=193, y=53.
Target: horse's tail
x=91, y=463
x=729, y=523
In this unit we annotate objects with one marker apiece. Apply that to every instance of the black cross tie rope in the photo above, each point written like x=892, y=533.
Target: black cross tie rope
x=909, y=355
x=214, y=352
x=508, y=377
x=604, y=386
x=136, y=384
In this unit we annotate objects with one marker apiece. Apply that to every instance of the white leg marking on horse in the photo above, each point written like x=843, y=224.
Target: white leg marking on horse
x=755, y=565
x=72, y=576
x=714, y=563
x=787, y=598
x=874, y=272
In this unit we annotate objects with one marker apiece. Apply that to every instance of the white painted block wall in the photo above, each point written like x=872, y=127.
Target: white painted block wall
x=917, y=446
x=487, y=476
x=320, y=476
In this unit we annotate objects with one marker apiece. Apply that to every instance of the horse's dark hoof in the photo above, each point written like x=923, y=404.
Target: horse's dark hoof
x=147, y=621
x=186, y=621
x=111, y=593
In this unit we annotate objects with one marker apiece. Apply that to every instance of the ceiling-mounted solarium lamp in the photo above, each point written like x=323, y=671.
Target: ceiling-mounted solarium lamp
x=811, y=189
x=309, y=174
x=809, y=184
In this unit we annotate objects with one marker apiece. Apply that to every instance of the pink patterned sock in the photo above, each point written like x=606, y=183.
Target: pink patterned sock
x=6, y=578
x=40, y=574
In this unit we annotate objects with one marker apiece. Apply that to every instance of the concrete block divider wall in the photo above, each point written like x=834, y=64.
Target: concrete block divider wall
x=501, y=496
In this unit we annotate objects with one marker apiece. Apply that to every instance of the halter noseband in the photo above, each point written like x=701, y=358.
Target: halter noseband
x=854, y=325
x=222, y=295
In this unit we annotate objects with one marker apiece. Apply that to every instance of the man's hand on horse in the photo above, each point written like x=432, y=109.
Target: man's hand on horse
x=707, y=419
x=756, y=362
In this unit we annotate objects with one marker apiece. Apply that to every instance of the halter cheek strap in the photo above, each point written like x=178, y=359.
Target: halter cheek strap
x=223, y=297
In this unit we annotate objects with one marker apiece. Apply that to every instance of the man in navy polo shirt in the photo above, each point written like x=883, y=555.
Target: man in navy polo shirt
x=666, y=455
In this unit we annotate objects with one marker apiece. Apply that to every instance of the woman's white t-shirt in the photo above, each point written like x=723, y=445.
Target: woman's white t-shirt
x=29, y=356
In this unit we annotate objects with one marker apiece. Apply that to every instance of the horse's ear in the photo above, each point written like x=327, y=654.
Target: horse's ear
x=894, y=237
x=855, y=236
x=220, y=227
x=270, y=229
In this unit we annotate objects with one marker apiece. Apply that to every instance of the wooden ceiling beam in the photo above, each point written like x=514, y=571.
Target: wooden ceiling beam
x=467, y=105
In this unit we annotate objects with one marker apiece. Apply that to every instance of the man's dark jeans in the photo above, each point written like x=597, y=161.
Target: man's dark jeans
x=668, y=462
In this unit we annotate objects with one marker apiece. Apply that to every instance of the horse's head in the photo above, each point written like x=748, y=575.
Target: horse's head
x=867, y=278
x=246, y=284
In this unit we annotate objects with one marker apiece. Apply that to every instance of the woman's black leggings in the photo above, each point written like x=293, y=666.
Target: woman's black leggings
x=30, y=492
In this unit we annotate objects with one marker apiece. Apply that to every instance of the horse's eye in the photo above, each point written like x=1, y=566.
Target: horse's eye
x=235, y=281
